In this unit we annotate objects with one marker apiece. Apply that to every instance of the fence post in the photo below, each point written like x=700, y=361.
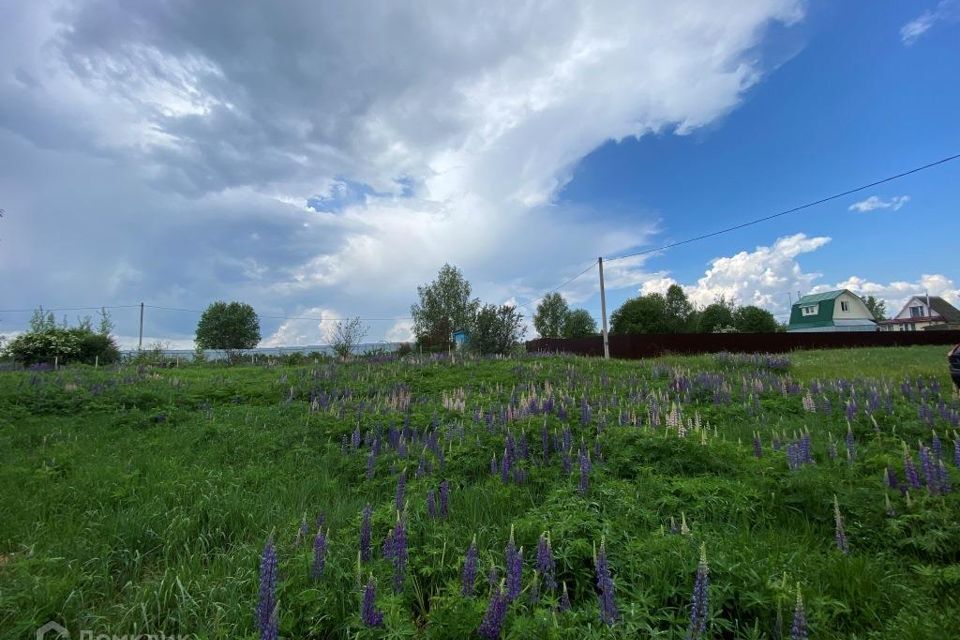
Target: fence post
x=603, y=312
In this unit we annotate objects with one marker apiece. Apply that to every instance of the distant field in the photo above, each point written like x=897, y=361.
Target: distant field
x=139, y=501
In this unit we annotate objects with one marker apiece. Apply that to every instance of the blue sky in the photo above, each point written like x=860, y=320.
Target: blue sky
x=322, y=161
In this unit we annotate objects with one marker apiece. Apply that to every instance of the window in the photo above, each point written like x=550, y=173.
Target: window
x=844, y=305
x=809, y=311
x=916, y=312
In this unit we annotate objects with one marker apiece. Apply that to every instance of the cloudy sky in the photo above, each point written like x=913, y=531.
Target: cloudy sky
x=322, y=159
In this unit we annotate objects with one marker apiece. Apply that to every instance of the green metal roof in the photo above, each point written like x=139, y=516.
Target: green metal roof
x=820, y=297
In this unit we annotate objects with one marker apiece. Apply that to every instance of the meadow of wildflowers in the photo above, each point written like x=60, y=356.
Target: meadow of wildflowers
x=536, y=497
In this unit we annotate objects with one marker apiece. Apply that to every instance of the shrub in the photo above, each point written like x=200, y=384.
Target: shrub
x=46, y=346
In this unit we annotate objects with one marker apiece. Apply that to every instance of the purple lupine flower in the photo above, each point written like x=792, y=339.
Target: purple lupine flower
x=302, y=532
x=608, y=607
x=535, y=589
x=545, y=562
x=564, y=604
x=567, y=462
x=505, y=467
x=444, y=498
x=399, y=553
x=944, y=477
x=700, y=600
x=832, y=450
x=319, y=554
x=805, y=457
x=492, y=624
x=799, y=629
x=936, y=446
x=757, y=445
x=369, y=614
x=469, y=576
x=266, y=611
x=513, y=561
x=365, y=549
x=841, y=536
x=909, y=470
x=401, y=490
x=585, y=467
x=431, y=504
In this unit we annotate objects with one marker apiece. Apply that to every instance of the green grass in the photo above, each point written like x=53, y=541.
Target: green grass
x=138, y=501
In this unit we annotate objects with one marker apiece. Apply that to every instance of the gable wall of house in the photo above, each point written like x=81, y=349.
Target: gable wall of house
x=915, y=301
x=856, y=309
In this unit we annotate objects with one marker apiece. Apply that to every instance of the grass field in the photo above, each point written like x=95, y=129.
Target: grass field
x=139, y=501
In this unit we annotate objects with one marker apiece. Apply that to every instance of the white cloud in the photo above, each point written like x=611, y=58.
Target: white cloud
x=945, y=11
x=432, y=133
x=313, y=326
x=874, y=202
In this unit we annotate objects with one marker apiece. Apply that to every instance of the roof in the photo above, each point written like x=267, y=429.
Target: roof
x=949, y=312
x=820, y=297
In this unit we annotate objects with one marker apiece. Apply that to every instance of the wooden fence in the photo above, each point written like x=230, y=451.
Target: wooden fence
x=652, y=345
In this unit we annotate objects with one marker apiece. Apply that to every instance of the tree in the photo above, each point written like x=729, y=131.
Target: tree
x=229, y=326
x=751, y=319
x=877, y=307
x=579, y=324
x=445, y=306
x=643, y=314
x=716, y=316
x=346, y=335
x=551, y=315
x=496, y=329
x=681, y=315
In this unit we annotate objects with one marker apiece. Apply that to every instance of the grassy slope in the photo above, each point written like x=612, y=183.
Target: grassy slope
x=143, y=505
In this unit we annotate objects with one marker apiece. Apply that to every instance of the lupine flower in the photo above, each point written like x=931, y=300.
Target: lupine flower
x=302, y=532
x=757, y=445
x=545, y=562
x=492, y=624
x=399, y=553
x=401, y=489
x=936, y=446
x=371, y=462
x=514, y=566
x=851, y=444
x=445, y=498
x=493, y=577
x=684, y=529
x=369, y=614
x=567, y=463
x=564, y=604
x=956, y=452
x=799, y=629
x=841, y=536
x=469, y=576
x=365, y=548
x=888, y=506
x=832, y=450
x=535, y=589
x=608, y=607
x=505, y=467
x=891, y=478
x=699, y=601
x=319, y=553
x=266, y=611
x=585, y=466
x=431, y=504
x=944, y=478
x=909, y=470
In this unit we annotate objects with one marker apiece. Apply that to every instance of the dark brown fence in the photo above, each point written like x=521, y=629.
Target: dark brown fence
x=652, y=345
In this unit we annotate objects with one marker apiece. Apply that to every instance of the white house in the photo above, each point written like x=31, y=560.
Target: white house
x=924, y=312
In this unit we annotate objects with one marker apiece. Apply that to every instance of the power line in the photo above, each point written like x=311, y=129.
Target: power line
x=123, y=306
x=788, y=211
x=526, y=305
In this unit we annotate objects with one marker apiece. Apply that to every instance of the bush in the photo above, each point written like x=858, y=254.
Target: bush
x=62, y=345
x=496, y=330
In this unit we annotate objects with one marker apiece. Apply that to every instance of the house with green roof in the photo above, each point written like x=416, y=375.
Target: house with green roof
x=838, y=310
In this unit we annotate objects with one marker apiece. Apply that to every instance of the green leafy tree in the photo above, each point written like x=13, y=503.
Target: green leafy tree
x=445, y=306
x=751, y=319
x=551, y=315
x=106, y=322
x=229, y=326
x=681, y=316
x=496, y=329
x=716, y=316
x=877, y=307
x=643, y=314
x=579, y=324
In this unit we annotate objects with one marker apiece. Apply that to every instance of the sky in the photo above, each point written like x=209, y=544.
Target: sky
x=321, y=160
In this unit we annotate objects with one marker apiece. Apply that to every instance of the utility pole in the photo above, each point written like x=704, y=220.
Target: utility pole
x=603, y=312
x=140, y=344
